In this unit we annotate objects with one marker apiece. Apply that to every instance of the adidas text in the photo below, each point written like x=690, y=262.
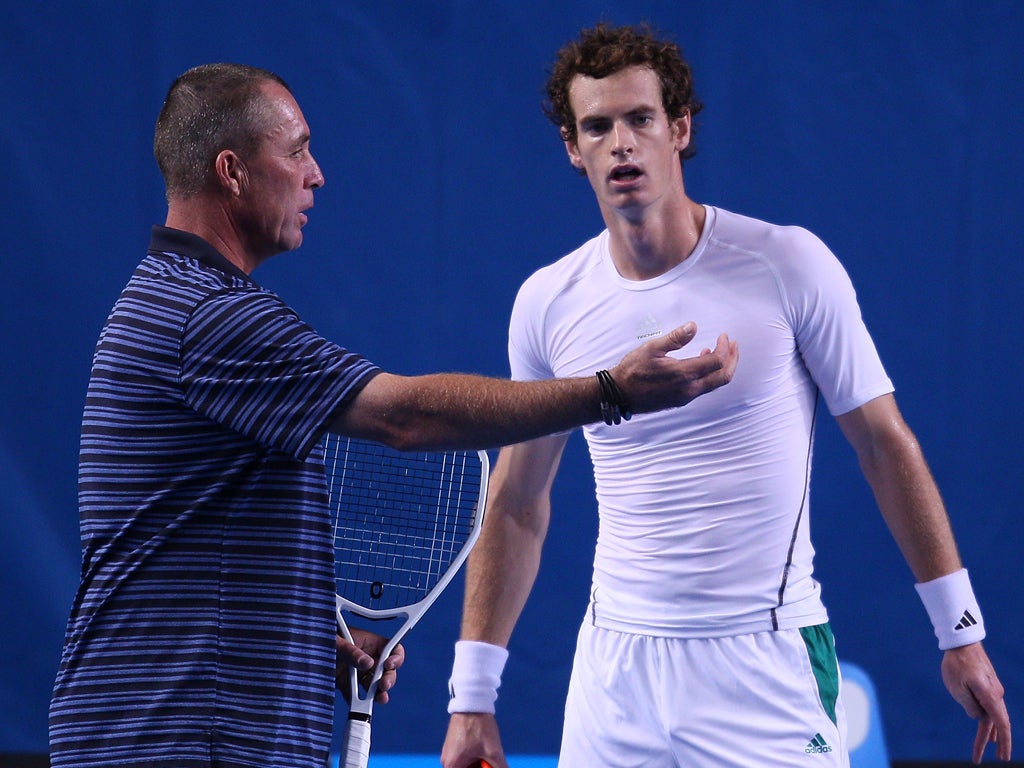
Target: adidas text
x=817, y=746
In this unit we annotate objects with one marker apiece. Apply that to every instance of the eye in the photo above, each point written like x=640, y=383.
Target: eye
x=595, y=127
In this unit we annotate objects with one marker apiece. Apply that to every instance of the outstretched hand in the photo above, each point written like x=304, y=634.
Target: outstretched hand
x=970, y=678
x=652, y=381
x=362, y=654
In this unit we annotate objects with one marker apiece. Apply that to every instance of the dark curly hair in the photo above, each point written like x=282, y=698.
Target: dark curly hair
x=605, y=50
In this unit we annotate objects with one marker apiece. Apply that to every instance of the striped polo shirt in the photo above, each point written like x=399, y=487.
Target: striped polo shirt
x=202, y=631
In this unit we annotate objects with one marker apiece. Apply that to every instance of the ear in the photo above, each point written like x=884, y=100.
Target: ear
x=574, y=155
x=681, y=132
x=230, y=172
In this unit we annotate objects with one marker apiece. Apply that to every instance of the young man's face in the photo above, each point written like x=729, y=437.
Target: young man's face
x=625, y=142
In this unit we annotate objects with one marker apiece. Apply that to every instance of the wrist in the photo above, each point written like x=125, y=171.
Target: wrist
x=615, y=405
x=953, y=609
x=476, y=676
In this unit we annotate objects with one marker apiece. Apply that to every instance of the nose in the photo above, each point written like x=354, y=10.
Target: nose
x=623, y=140
x=316, y=178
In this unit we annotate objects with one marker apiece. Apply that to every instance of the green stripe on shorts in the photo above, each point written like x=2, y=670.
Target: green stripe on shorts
x=821, y=649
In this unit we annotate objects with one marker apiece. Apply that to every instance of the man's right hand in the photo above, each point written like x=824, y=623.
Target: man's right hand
x=652, y=381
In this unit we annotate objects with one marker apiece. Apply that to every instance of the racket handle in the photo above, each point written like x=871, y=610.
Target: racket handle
x=480, y=764
x=355, y=747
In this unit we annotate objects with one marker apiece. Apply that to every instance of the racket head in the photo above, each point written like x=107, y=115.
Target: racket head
x=403, y=522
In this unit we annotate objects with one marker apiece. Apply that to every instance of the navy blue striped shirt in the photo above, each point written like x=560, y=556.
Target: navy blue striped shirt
x=202, y=631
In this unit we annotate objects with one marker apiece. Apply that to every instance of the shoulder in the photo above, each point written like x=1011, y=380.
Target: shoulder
x=776, y=241
x=181, y=282
x=794, y=254
x=548, y=282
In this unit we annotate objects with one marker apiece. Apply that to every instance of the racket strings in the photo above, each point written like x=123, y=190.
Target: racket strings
x=400, y=519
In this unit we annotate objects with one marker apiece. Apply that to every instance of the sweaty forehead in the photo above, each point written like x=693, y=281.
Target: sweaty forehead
x=627, y=90
x=284, y=119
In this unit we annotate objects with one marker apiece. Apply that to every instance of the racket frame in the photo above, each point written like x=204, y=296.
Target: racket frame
x=356, y=741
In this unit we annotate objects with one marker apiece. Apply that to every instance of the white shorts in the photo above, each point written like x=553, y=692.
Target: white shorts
x=763, y=699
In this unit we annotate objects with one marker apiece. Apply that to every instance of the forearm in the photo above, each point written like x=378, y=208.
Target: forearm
x=504, y=565
x=442, y=411
x=904, y=489
x=499, y=576
x=502, y=569
x=445, y=411
x=913, y=510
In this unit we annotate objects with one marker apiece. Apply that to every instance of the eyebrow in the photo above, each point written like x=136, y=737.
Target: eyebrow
x=638, y=110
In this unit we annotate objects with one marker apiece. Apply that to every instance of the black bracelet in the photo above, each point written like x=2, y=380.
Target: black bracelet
x=614, y=404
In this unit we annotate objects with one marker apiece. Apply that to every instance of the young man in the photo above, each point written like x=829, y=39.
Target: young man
x=202, y=633
x=705, y=626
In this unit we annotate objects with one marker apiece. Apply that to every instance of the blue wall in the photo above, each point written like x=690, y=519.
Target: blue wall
x=892, y=131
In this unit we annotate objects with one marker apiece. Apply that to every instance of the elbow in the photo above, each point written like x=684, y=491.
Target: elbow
x=384, y=413
x=401, y=434
x=406, y=440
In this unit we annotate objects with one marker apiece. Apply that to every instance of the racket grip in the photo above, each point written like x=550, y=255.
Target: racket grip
x=480, y=764
x=355, y=748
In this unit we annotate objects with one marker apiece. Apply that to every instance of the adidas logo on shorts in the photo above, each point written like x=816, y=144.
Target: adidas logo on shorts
x=817, y=745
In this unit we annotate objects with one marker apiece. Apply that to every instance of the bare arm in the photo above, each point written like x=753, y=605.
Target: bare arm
x=464, y=411
x=500, y=574
x=895, y=468
x=893, y=464
x=503, y=566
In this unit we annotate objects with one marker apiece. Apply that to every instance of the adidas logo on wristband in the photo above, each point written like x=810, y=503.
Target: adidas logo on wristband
x=965, y=621
x=953, y=609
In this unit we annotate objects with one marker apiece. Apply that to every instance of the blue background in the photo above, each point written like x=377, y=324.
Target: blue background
x=891, y=129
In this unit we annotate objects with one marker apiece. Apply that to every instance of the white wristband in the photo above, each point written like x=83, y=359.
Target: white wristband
x=953, y=609
x=476, y=676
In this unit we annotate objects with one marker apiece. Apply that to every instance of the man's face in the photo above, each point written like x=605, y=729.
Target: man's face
x=281, y=177
x=625, y=142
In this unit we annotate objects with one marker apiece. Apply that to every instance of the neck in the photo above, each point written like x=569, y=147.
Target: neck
x=646, y=244
x=210, y=221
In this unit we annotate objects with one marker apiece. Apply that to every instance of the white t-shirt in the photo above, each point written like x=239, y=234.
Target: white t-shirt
x=704, y=509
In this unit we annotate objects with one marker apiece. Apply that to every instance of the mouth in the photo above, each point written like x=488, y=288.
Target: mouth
x=624, y=174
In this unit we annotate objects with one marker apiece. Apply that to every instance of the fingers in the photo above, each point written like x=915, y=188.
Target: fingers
x=390, y=677
x=361, y=654
x=351, y=655
x=396, y=659
x=716, y=367
x=729, y=352
x=970, y=678
x=986, y=732
x=674, y=339
x=1004, y=748
x=991, y=731
x=999, y=729
x=472, y=740
x=725, y=349
x=652, y=379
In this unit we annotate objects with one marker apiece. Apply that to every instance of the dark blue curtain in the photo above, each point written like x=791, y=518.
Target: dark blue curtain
x=889, y=128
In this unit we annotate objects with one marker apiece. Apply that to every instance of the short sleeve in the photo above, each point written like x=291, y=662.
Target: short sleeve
x=251, y=364
x=829, y=327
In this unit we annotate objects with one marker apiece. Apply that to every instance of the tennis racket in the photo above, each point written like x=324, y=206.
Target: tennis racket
x=404, y=523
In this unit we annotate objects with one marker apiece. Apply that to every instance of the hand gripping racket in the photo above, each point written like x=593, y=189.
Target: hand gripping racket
x=404, y=523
